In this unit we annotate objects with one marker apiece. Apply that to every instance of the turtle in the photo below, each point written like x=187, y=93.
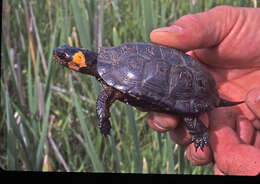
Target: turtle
x=151, y=77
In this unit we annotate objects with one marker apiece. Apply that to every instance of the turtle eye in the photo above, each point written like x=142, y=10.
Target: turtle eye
x=63, y=55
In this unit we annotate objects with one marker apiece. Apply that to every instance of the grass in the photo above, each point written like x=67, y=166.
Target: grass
x=48, y=113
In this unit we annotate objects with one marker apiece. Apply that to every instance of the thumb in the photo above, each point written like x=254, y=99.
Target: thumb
x=199, y=30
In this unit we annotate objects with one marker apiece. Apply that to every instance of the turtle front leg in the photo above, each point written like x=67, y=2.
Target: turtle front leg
x=105, y=99
x=198, y=131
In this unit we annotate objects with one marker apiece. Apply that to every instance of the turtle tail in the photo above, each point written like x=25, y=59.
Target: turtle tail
x=224, y=103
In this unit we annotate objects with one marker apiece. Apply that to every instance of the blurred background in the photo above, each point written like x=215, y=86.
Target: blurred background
x=48, y=113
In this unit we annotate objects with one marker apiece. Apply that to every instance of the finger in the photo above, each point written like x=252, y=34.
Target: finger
x=180, y=135
x=195, y=30
x=235, y=159
x=253, y=101
x=199, y=157
x=245, y=130
x=218, y=43
x=217, y=171
x=230, y=155
x=162, y=122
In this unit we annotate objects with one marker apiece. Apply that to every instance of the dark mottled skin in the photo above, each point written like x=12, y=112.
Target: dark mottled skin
x=154, y=78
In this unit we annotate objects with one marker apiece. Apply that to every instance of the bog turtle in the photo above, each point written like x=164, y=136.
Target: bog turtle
x=151, y=77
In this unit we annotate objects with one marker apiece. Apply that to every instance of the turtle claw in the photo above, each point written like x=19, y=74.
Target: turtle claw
x=105, y=127
x=200, y=140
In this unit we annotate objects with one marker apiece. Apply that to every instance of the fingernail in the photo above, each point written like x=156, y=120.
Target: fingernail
x=159, y=127
x=172, y=28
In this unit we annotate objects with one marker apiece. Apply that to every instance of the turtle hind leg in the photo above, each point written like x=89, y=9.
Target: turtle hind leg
x=198, y=131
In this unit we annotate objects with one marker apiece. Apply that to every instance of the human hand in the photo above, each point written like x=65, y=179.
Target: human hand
x=226, y=40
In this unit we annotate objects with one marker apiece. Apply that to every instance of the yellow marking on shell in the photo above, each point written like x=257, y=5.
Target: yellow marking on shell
x=79, y=59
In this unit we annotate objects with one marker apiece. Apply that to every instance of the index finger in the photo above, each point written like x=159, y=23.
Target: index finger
x=162, y=122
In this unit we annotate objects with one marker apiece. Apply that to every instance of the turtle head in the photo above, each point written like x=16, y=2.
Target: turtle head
x=77, y=59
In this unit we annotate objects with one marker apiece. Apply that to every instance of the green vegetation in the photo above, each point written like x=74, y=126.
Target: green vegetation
x=48, y=118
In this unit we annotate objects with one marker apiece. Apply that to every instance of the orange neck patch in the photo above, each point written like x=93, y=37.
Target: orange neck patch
x=79, y=59
x=71, y=65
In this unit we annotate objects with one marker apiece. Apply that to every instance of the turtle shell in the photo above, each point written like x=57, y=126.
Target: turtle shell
x=158, y=75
